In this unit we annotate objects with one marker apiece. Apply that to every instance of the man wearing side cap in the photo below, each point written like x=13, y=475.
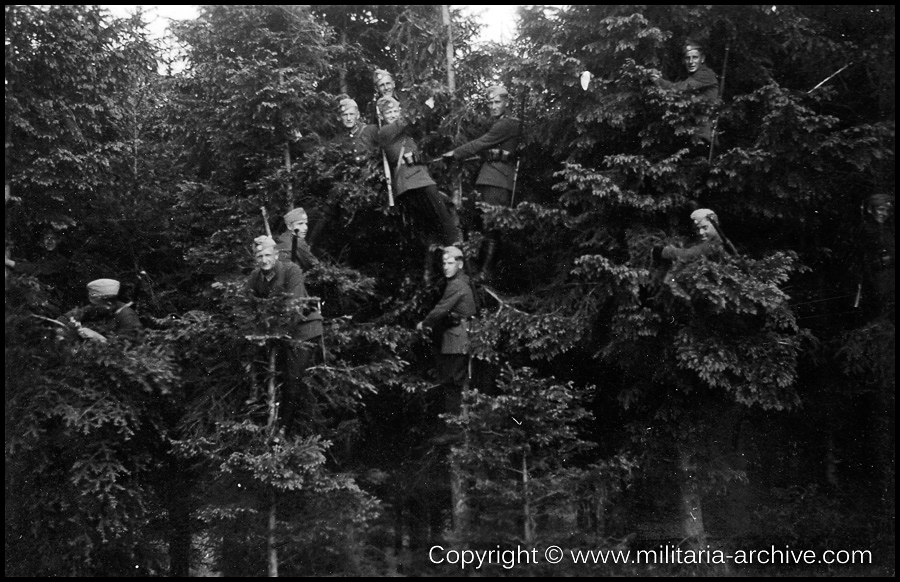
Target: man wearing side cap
x=701, y=81
x=414, y=188
x=271, y=278
x=496, y=179
x=107, y=314
x=386, y=87
x=450, y=317
x=710, y=244
x=292, y=246
x=358, y=137
x=358, y=141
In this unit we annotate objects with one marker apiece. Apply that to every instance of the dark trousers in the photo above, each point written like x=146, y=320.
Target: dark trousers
x=430, y=215
x=497, y=197
x=322, y=217
x=453, y=375
x=299, y=406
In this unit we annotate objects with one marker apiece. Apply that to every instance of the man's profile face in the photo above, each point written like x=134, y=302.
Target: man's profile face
x=498, y=105
x=349, y=117
x=451, y=265
x=705, y=228
x=391, y=114
x=880, y=213
x=385, y=86
x=693, y=59
x=266, y=258
x=299, y=227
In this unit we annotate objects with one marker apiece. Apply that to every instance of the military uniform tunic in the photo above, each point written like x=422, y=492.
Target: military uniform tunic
x=394, y=138
x=504, y=137
x=286, y=278
x=457, y=304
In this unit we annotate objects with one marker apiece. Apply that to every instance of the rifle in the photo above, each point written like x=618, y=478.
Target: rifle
x=512, y=197
x=829, y=77
x=266, y=221
x=84, y=332
x=728, y=246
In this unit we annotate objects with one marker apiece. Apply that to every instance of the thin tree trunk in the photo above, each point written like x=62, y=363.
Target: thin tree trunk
x=691, y=509
x=528, y=511
x=287, y=167
x=459, y=495
x=460, y=500
x=271, y=547
x=179, y=523
x=451, y=74
x=343, y=70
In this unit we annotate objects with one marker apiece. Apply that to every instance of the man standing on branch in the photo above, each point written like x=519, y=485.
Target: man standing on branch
x=496, y=180
x=359, y=138
x=450, y=318
x=386, y=87
x=415, y=190
x=710, y=244
x=877, y=256
x=701, y=81
x=292, y=246
x=358, y=141
x=272, y=278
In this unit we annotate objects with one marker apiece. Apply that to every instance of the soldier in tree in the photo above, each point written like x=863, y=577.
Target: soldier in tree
x=877, y=255
x=386, y=87
x=359, y=138
x=496, y=179
x=359, y=141
x=49, y=265
x=449, y=321
x=269, y=279
x=107, y=314
x=710, y=244
x=292, y=246
x=415, y=190
x=700, y=81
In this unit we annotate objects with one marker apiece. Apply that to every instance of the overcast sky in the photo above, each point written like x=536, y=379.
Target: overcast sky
x=498, y=20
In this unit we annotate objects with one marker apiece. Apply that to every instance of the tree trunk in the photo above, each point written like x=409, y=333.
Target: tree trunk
x=692, y=527
x=460, y=501
x=343, y=69
x=451, y=75
x=459, y=495
x=287, y=167
x=271, y=547
x=179, y=524
x=528, y=511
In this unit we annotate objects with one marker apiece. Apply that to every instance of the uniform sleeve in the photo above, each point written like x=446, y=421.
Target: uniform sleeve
x=691, y=253
x=453, y=294
x=387, y=134
x=293, y=281
x=501, y=131
x=304, y=255
x=703, y=80
x=127, y=321
x=368, y=138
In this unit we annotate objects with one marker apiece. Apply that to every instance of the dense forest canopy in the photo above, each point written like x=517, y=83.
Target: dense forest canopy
x=618, y=402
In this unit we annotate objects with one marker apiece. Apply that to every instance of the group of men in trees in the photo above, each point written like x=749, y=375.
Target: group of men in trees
x=434, y=217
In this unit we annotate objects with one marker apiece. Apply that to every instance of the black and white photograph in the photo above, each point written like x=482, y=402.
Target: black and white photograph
x=450, y=290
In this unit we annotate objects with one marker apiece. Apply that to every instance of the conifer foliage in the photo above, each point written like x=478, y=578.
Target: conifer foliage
x=617, y=399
